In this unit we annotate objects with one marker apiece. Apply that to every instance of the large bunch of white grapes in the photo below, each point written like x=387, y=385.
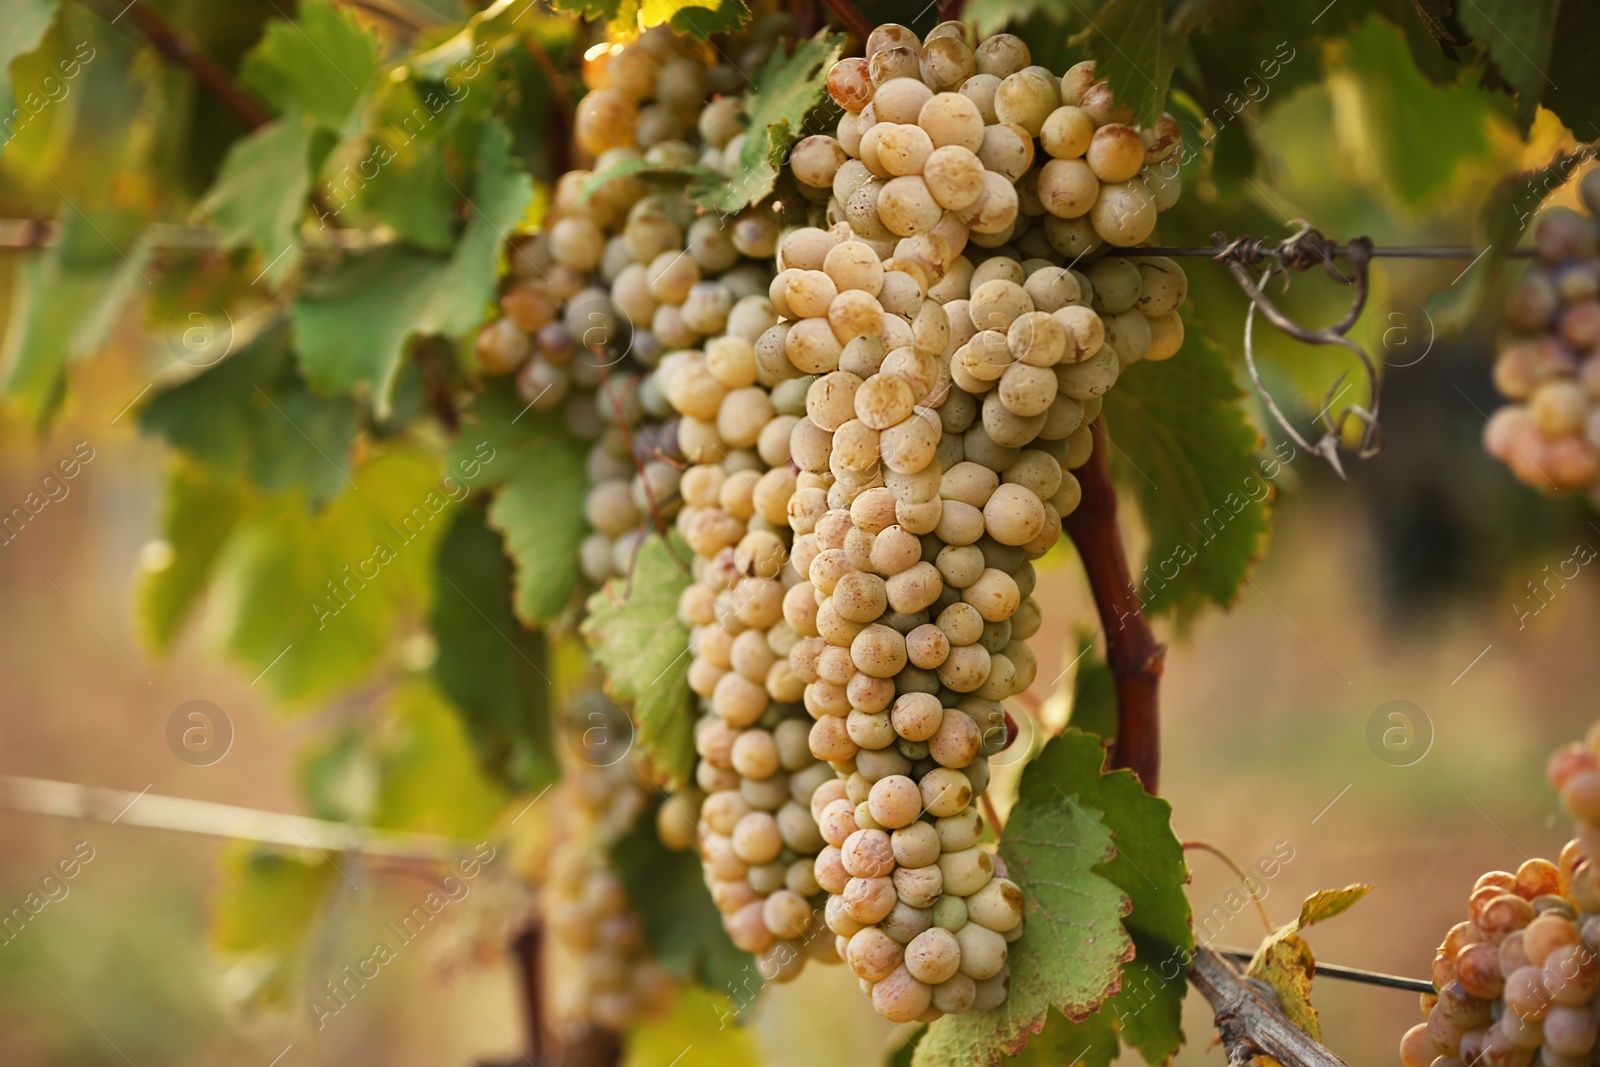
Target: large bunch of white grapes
x=622, y=273
x=756, y=836
x=599, y=971
x=1549, y=433
x=953, y=359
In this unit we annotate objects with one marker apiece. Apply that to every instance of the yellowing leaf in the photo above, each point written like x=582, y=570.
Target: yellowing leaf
x=1326, y=903
x=1285, y=961
x=634, y=633
x=263, y=913
x=691, y=1023
x=430, y=782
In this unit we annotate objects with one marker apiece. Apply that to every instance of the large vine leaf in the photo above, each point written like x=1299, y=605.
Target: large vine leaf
x=1149, y=867
x=312, y=602
x=1133, y=51
x=1419, y=148
x=430, y=781
x=354, y=319
x=634, y=633
x=1575, y=96
x=537, y=468
x=322, y=64
x=252, y=416
x=1518, y=35
x=1185, y=446
x=64, y=303
x=787, y=88
x=668, y=893
x=1286, y=963
x=1070, y=959
x=201, y=511
x=260, y=194
x=495, y=672
x=263, y=914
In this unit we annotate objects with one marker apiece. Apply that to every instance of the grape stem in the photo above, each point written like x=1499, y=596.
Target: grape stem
x=1133, y=654
x=851, y=18
x=1249, y=1024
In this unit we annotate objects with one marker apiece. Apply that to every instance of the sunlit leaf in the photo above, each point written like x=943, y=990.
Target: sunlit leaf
x=201, y=510
x=264, y=913
x=354, y=319
x=260, y=194
x=322, y=64
x=429, y=779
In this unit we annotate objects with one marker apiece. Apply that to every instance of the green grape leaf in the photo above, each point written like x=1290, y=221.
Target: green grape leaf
x=429, y=778
x=322, y=64
x=1090, y=1043
x=250, y=415
x=1135, y=54
x=668, y=892
x=354, y=319
x=264, y=913
x=1184, y=445
x=495, y=672
x=413, y=197
x=645, y=169
x=260, y=194
x=313, y=602
x=1518, y=35
x=1058, y=847
x=695, y=19
x=634, y=633
x=660, y=1042
x=539, y=476
x=24, y=27
x=1150, y=869
x=787, y=88
x=1420, y=147
x=65, y=301
x=201, y=511
x=991, y=16
x=1094, y=691
x=1575, y=94
x=1286, y=963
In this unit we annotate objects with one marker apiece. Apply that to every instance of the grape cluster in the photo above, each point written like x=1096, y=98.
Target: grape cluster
x=952, y=363
x=1519, y=981
x=600, y=971
x=756, y=835
x=1519, y=978
x=1549, y=435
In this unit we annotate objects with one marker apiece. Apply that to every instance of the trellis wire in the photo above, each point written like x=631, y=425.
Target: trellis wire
x=1348, y=974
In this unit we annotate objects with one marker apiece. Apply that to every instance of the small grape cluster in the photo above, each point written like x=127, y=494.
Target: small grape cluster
x=600, y=971
x=1549, y=435
x=1519, y=982
x=954, y=360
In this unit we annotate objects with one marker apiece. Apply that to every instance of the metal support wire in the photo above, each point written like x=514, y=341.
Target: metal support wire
x=1347, y=974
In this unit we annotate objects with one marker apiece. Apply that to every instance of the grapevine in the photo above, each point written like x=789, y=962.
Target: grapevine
x=638, y=439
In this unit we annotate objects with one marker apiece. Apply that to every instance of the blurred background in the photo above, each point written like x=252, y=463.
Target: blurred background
x=1410, y=582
